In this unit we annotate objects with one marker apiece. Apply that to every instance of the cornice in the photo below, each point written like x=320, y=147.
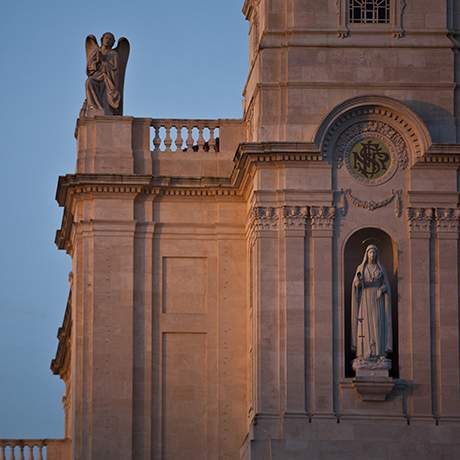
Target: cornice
x=236, y=187
x=249, y=154
x=441, y=154
x=60, y=362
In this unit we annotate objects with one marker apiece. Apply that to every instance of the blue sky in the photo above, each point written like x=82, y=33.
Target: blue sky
x=188, y=60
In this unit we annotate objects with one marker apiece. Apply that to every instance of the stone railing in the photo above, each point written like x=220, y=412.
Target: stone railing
x=34, y=449
x=173, y=135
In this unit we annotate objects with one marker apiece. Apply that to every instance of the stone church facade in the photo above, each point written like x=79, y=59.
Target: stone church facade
x=214, y=261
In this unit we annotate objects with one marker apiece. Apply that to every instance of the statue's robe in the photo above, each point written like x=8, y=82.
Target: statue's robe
x=103, y=83
x=374, y=338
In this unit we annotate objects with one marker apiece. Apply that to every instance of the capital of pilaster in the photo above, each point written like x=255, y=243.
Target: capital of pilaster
x=447, y=220
x=264, y=218
x=322, y=218
x=294, y=218
x=420, y=221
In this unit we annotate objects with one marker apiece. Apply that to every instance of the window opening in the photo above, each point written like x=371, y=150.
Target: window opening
x=369, y=11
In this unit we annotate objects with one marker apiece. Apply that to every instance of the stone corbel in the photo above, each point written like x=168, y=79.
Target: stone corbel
x=372, y=381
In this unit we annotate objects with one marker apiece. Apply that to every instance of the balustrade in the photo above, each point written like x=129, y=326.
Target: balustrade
x=23, y=449
x=35, y=449
x=185, y=135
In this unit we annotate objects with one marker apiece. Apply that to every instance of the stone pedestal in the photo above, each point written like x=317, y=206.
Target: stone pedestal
x=373, y=381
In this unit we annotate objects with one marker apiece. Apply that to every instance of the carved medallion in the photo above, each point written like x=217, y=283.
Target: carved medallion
x=369, y=160
x=372, y=151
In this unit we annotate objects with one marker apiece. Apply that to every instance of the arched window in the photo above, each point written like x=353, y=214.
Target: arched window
x=369, y=11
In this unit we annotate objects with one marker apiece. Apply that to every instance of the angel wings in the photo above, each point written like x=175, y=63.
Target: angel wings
x=105, y=68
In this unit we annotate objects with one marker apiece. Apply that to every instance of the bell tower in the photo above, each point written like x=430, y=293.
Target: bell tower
x=351, y=109
x=307, y=57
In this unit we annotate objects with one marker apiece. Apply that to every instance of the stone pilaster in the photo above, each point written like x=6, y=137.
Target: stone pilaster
x=102, y=365
x=263, y=228
x=446, y=317
x=320, y=331
x=143, y=321
x=292, y=307
x=414, y=322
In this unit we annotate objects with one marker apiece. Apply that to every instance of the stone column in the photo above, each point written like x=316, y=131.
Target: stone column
x=415, y=326
x=320, y=319
x=447, y=315
x=292, y=307
x=265, y=336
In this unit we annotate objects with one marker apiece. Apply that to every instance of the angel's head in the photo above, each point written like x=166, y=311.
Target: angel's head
x=108, y=39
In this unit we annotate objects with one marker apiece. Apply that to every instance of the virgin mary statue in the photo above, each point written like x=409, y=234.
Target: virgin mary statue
x=371, y=334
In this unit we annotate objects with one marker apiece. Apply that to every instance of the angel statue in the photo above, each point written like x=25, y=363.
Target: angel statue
x=372, y=337
x=105, y=67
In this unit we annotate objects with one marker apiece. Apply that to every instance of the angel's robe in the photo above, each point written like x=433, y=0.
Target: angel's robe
x=103, y=83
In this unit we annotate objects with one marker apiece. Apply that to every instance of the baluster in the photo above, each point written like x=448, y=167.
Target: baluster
x=21, y=452
x=2, y=452
x=200, y=137
x=12, y=456
x=212, y=139
x=168, y=140
x=179, y=139
x=40, y=453
x=156, y=139
x=190, y=140
x=31, y=452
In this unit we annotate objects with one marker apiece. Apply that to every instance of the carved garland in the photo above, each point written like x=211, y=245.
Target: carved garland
x=371, y=205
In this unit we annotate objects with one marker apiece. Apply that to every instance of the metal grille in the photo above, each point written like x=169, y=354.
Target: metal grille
x=369, y=11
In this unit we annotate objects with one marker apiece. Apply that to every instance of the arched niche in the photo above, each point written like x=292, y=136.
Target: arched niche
x=352, y=256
